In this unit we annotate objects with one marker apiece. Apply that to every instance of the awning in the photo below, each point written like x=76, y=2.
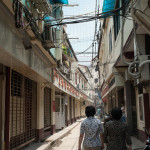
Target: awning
x=59, y=1
x=108, y=5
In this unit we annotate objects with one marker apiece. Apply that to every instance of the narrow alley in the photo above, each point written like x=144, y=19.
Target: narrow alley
x=57, y=57
x=70, y=141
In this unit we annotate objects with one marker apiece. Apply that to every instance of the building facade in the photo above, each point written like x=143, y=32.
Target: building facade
x=37, y=94
x=123, y=55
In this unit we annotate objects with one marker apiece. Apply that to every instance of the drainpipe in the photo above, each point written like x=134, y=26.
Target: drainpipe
x=135, y=75
x=136, y=55
x=122, y=39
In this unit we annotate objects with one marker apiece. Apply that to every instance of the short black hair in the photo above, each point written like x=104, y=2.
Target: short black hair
x=90, y=111
x=116, y=113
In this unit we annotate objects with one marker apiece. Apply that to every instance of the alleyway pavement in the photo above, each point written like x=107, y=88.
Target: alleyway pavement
x=70, y=142
x=67, y=139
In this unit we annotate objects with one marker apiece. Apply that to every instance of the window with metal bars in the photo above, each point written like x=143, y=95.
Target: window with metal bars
x=22, y=110
x=47, y=108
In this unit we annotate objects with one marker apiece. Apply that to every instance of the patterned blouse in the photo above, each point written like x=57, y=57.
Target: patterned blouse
x=92, y=128
x=116, y=135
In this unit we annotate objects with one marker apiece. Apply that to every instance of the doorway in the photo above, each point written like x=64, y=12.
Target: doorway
x=60, y=111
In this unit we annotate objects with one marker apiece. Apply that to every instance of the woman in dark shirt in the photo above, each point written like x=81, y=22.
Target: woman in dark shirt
x=116, y=134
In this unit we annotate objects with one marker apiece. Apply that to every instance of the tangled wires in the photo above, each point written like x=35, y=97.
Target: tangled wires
x=18, y=10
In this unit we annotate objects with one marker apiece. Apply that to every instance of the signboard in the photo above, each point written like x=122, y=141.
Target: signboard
x=66, y=86
x=53, y=106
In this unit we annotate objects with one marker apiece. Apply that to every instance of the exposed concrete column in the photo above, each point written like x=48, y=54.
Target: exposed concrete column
x=53, y=122
x=128, y=105
x=40, y=111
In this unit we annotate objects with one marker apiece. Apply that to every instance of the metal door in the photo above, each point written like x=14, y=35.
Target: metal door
x=60, y=112
x=22, y=110
x=47, y=108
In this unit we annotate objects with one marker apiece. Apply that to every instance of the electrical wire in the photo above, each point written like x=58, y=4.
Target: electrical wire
x=101, y=15
x=84, y=50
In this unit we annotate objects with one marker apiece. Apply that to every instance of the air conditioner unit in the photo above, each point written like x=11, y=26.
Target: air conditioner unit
x=127, y=77
x=49, y=37
x=145, y=70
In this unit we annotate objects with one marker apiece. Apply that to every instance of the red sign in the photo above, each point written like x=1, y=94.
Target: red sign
x=105, y=90
x=53, y=106
x=66, y=85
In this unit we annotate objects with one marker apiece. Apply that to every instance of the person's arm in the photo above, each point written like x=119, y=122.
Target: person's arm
x=81, y=135
x=102, y=140
x=80, y=141
x=101, y=135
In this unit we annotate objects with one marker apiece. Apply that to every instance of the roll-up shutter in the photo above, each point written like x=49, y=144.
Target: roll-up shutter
x=47, y=108
x=22, y=110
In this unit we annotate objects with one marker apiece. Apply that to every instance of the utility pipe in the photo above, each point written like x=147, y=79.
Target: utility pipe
x=122, y=39
x=144, y=62
x=135, y=75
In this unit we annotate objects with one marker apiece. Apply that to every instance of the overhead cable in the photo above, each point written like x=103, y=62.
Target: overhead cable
x=101, y=15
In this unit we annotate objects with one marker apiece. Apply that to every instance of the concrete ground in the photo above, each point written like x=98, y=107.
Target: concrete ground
x=68, y=140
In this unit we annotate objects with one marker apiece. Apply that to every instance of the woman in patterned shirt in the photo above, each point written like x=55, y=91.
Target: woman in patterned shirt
x=93, y=131
x=116, y=134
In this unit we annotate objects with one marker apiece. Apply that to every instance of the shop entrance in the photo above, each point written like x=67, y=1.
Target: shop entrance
x=60, y=111
x=22, y=111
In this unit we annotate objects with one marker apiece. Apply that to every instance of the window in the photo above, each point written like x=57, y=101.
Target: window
x=117, y=19
x=110, y=42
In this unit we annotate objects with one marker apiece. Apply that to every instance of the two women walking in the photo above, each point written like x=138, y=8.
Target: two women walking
x=115, y=134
